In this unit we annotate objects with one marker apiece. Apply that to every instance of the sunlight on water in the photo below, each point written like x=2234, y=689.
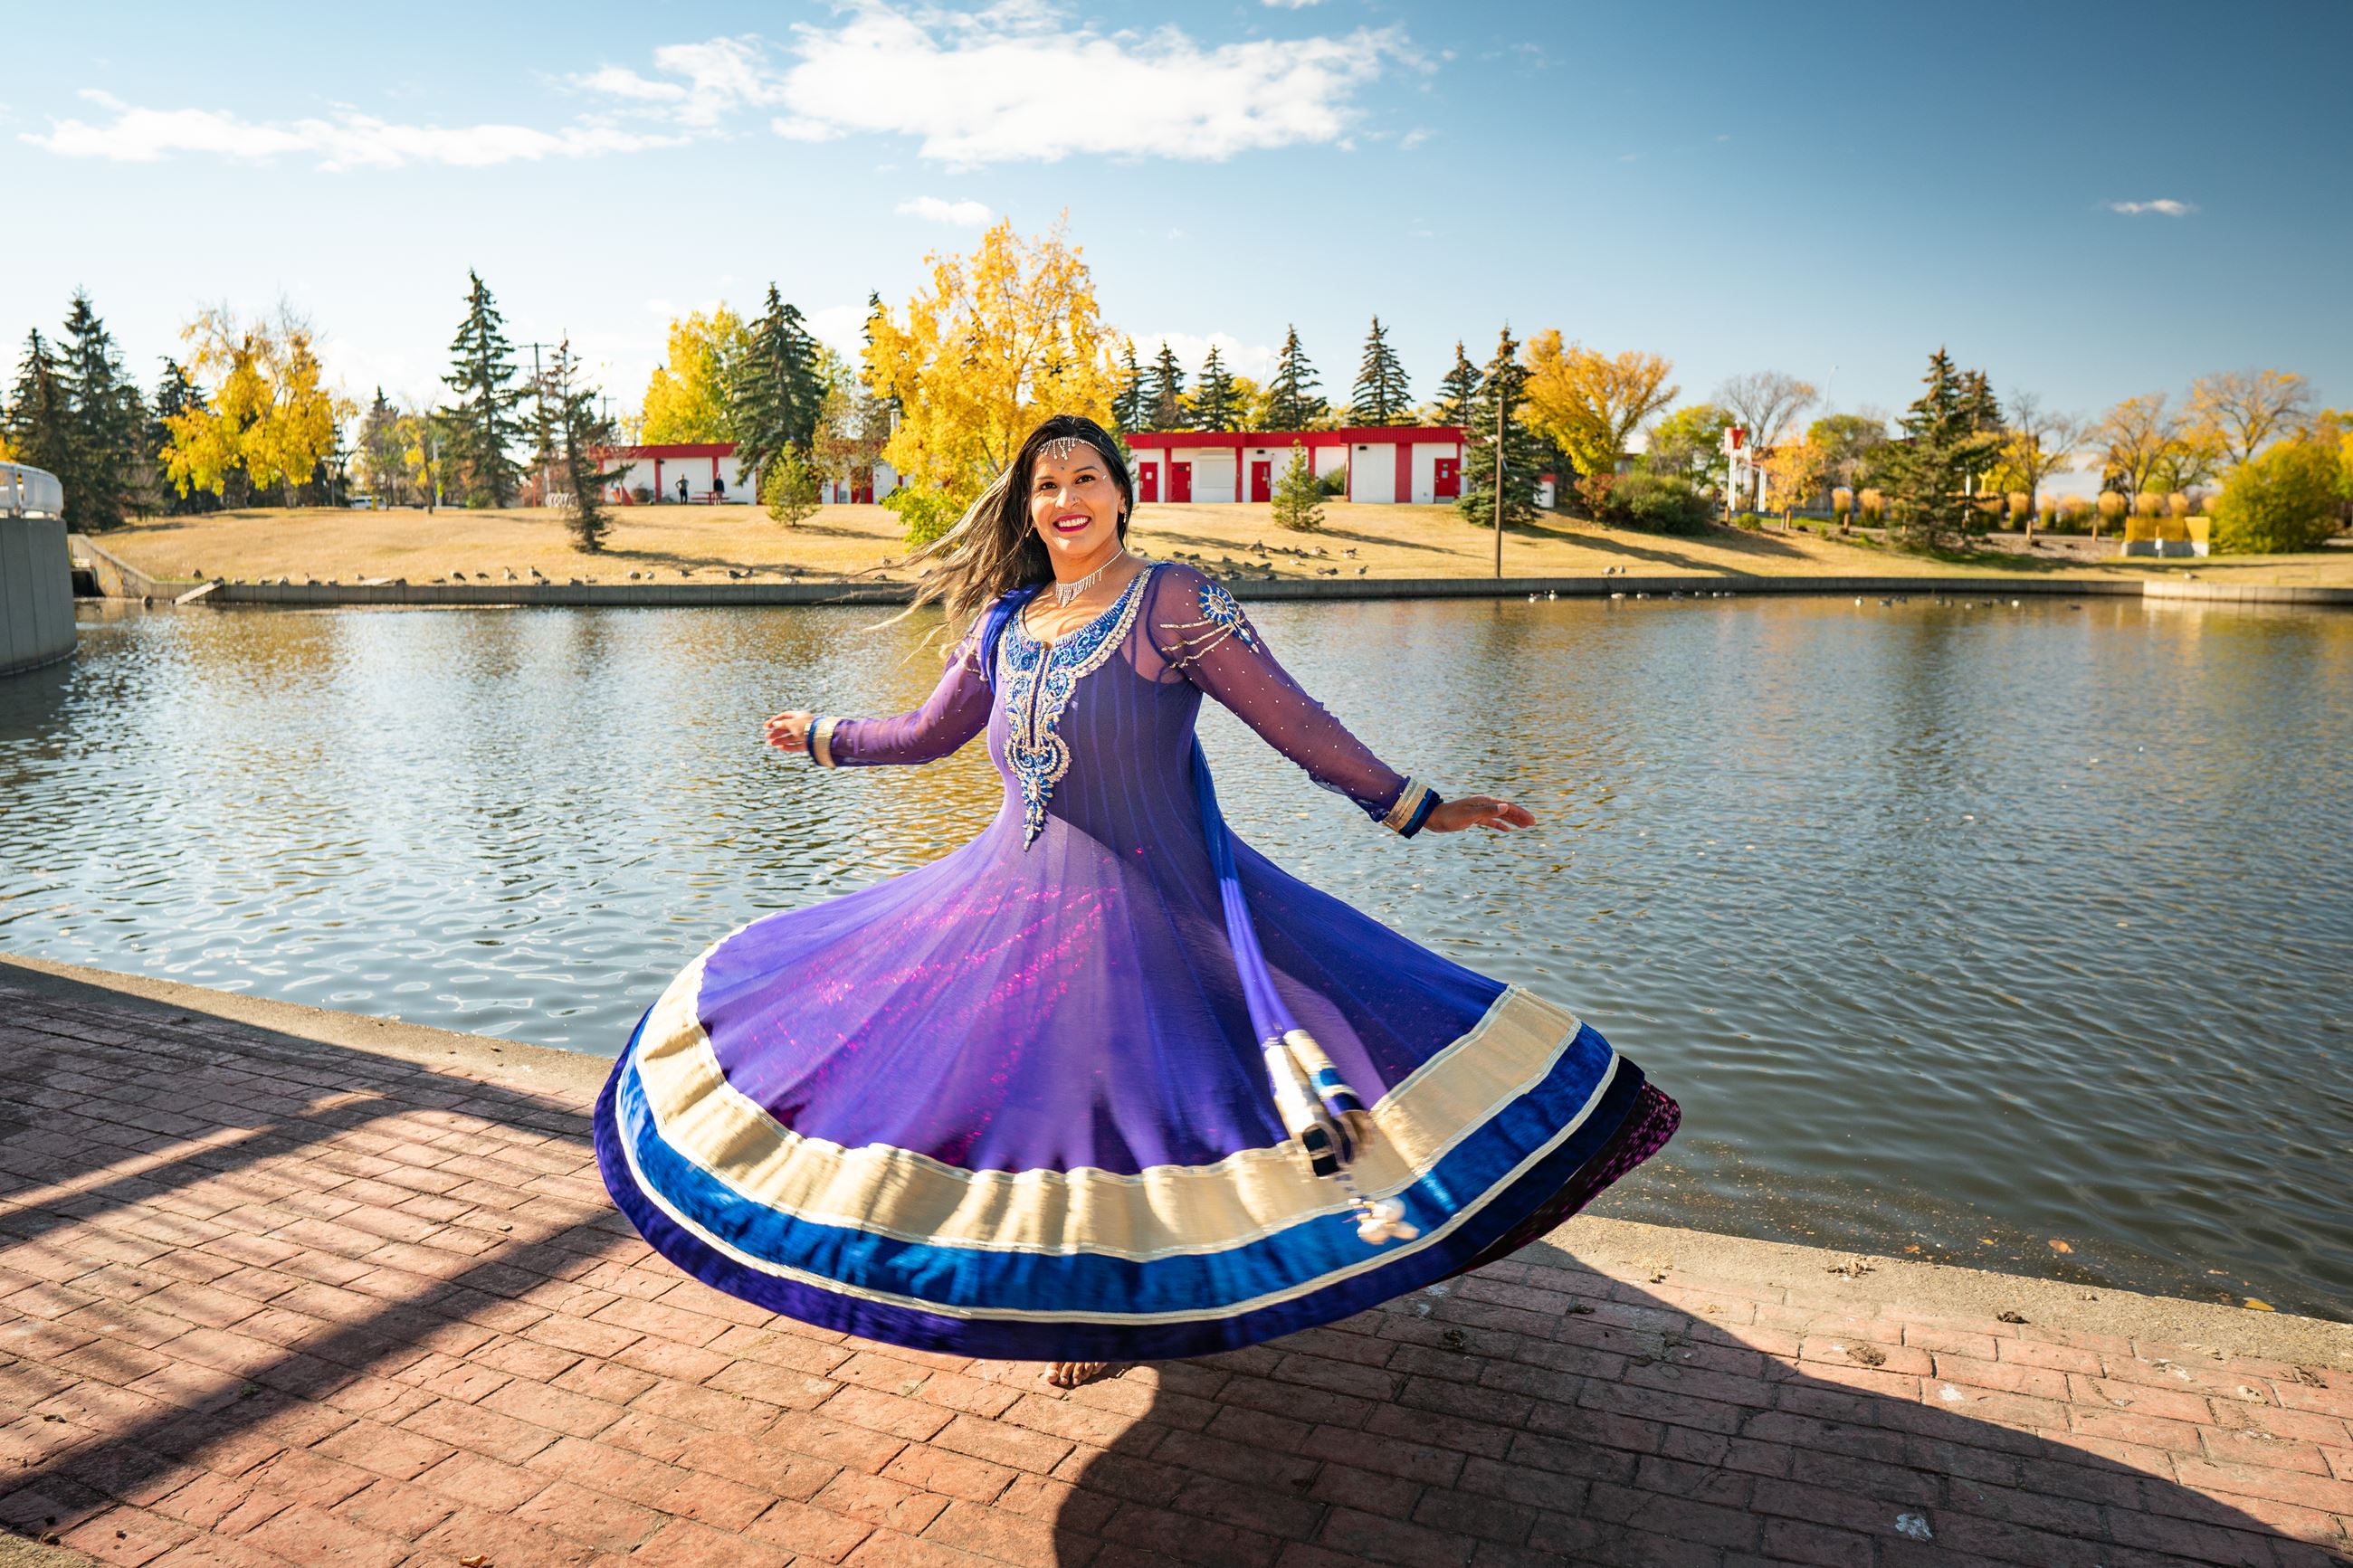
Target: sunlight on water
x=1962, y=929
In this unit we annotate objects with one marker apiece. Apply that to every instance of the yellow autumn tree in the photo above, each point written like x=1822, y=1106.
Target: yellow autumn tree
x=268, y=417
x=686, y=397
x=996, y=341
x=1589, y=403
x=1795, y=472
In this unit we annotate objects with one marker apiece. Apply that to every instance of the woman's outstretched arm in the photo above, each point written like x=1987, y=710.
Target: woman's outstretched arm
x=956, y=711
x=1198, y=627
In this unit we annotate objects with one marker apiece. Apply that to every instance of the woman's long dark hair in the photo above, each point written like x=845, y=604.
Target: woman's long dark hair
x=992, y=550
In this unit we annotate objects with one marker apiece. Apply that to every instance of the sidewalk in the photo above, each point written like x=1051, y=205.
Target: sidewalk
x=282, y=1287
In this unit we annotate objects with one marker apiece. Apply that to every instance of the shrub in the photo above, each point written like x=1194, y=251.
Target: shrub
x=2281, y=500
x=2019, y=503
x=1658, y=503
x=788, y=488
x=1873, y=504
x=2178, y=504
x=1299, y=494
x=1842, y=501
x=1593, y=492
x=2112, y=507
x=1335, y=483
x=2148, y=504
x=925, y=513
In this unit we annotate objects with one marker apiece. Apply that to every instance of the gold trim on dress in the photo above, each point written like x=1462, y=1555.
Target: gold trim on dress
x=821, y=742
x=1381, y=1259
x=1409, y=800
x=1161, y=1211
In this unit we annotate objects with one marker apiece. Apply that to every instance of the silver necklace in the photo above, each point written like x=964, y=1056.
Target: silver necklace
x=1066, y=592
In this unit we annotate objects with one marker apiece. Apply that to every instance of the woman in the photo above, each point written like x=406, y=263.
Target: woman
x=1103, y=1084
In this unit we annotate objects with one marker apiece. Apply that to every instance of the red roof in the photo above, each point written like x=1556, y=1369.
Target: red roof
x=1154, y=440
x=672, y=449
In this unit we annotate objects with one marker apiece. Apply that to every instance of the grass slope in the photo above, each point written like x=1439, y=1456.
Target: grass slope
x=671, y=543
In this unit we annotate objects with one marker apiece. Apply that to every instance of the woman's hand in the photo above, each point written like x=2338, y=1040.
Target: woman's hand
x=789, y=732
x=1478, y=811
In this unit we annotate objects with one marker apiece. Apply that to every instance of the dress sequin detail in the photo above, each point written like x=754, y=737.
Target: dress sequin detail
x=1220, y=618
x=1039, y=678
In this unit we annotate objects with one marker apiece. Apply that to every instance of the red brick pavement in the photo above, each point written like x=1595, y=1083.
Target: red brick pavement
x=265, y=1302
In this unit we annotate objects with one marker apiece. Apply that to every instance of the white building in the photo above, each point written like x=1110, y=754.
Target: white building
x=1383, y=463
x=707, y=470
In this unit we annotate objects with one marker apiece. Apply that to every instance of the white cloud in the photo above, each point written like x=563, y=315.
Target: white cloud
x=348, y=140
x=1019, y=81
x=1412, y=139
x=2165, y=204
x=1290, y=5
x=964, y=215
x=841, y=328
x=1253, y=360
x=619, y=81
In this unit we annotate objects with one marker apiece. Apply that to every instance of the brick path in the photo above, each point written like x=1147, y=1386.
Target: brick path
x=268, y=1301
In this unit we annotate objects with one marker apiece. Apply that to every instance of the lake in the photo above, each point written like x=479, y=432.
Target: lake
x=2019, y=936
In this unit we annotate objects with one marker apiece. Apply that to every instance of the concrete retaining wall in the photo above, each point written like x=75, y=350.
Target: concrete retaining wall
x=117, y=578
x=36, y=613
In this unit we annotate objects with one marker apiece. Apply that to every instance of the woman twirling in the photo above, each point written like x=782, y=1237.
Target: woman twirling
x=1103, y=1084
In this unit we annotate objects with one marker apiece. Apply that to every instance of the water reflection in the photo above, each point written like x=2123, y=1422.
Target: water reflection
x=1961, y=927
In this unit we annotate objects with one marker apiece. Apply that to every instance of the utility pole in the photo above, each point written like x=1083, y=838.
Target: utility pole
x=1499, y=483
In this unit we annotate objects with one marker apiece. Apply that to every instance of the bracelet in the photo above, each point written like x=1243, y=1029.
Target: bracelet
x=1414, y=804
x=819, y=740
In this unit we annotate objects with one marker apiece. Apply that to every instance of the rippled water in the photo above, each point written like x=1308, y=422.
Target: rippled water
x=1962, y=929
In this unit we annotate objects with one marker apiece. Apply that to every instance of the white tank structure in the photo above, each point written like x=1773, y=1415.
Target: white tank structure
x=36, y=610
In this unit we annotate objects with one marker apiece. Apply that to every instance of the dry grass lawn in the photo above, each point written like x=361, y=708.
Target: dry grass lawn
x=671, y=543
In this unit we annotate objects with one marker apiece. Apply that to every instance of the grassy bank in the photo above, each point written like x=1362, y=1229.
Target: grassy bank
x=671, y=543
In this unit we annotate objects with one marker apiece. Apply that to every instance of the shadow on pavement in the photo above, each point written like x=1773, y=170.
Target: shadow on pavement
x=465, y=1352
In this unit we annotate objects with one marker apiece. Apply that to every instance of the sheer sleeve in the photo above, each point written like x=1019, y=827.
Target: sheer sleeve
x=956, y=711
x=1200, y=631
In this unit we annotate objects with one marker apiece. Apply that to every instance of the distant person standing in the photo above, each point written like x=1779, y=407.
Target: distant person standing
x=682, y=490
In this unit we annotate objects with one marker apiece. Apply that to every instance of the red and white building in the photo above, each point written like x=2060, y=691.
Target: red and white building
x=1384, y=463
x=708, y=470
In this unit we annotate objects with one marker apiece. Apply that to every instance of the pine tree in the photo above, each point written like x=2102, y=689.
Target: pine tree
x=1127, y=406
x=1951, y=432
x=583, y=438
x=1217, y=406
x=1298, y=499
x=177, y=394
x=382, y=451
x=1382, y=395
x=1291, y=403
x=789, y=488
x=1166, y=400
x=482, y=426
x=772, y=392
x=1500, y=388
x=1458, y=391
x=106, y=414
x=41, y=414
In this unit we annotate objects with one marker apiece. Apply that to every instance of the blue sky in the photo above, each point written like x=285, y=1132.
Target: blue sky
x=2088, y=201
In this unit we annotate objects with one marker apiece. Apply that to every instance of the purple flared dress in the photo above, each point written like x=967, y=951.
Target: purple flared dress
x=1104, y=1083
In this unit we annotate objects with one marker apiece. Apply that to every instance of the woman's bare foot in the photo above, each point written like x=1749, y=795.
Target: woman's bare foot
x=1070, y=1373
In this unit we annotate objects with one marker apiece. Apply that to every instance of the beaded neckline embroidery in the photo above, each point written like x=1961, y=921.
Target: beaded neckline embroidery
x=1038, y=680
